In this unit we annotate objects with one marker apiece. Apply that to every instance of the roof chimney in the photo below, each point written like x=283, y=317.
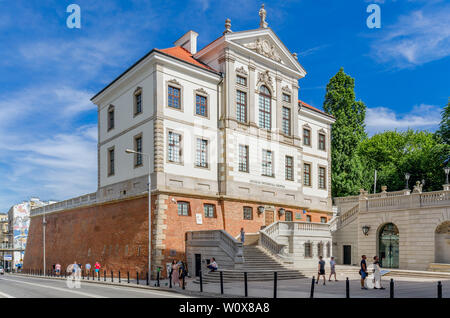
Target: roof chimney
x=188, y=41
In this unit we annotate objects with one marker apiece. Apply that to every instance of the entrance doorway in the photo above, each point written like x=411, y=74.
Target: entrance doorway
x=388, y=246
x=442, y=243
x=268, y=218
x=347, y=255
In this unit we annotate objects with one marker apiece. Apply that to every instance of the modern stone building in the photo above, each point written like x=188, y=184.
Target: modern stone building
x=406, y=230
x=223, y=138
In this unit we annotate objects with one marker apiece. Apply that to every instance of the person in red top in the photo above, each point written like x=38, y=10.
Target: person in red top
x=97, y=268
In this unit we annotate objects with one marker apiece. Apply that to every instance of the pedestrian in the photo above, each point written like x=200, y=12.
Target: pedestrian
x=88, y=269
x=54, y=268
x=175, y=274
x=333, y=269
x=363, y=271
x=321, y=270
x=242, y=235
x=58, y=269
x=97, y=268
x=377, y=273
x=212, y=265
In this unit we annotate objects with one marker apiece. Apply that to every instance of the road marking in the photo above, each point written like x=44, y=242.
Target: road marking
x=6, y=295
x=56, y=288
x=124, y=288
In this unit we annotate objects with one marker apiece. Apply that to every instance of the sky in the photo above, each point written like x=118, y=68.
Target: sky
x=48, y=72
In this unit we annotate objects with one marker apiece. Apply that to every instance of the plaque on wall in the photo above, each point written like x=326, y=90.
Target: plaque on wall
x=198, y=217
x=298, y=215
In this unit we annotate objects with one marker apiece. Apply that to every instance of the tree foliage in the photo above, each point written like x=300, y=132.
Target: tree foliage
x=348, y=131
x=444, y=127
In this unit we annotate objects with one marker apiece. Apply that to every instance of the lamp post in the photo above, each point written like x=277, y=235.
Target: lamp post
x=149, y=209
x=447, y=171
x=44, y=224
x=407, y=175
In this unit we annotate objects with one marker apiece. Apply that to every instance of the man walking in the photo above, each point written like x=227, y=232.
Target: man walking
x=321, y=270
x=333, y=269
x=88, y=269
x=363, y=271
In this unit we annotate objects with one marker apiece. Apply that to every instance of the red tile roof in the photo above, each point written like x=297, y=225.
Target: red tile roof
x=302, y=103
x=184, y=55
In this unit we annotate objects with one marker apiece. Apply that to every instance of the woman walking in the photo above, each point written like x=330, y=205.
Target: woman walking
x=377, y=273
x=175, y=274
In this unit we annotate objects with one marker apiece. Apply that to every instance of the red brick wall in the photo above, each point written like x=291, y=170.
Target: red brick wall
x=70, y=234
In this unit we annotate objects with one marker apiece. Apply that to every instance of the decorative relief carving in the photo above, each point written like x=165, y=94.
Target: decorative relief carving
x=264, y=47
x=286, y=89
x=241, y=70
x=174, y=81
x=265, y=78
x=201, y=91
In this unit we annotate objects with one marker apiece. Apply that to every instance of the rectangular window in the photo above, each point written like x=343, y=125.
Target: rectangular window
x=265, y=112
x=323, y=219
x=286, y=98
x=243, y=158
x=183, y=208
x=209, y=210
x=201, y=157
x=267, y=164
x=307, y=174
x=248, y=213
x=241, y=106
x=138, y=148
x=306, y=137
x=288, y=216
x=322, y=174
x=308, y=250
x=321, y=142
x=111, y=118
x=174, y=147
x=173, y=97
x=241, y=80
x=138, y=101
x=289, y=168
x=201, y=105
x=110, y=162
x=286, y=124
x=308, y=218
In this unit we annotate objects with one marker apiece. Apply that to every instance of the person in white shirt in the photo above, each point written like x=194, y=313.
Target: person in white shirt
x=377, y=273
x=333, y=269
x=213, y=265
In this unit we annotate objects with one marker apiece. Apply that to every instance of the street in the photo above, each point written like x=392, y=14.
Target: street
x=14, y=286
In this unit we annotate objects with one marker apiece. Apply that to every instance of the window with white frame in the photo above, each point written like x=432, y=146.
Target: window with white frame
x=173, y=97
x=322, y=178
x=286, y=123
x=241, y=80
x=241, y=106
x=110, y=117
x=267, y=163
x=289, y=168
x=138, y=102
x=248, y=213
x=201, y=105
x=138, y=148
x=183, y=208
x=286, y=98
x=243, y=158
x=174, y=147
x=201, y=157
x=111, y=161
x=209, y=210
x=265, y=108
x=322, y=142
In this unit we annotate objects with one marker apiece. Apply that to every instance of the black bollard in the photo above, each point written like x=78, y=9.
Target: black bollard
x=245, y=284
x=98, y=275
x=119, y=276
x=184, y=287
x=391, y=289
x=157, y=278
x=128, y=275
x=137, y=278
x=87, y=275
x=439, y=290
x=112, y=277
x=275, y=280
x=347, y=288
x=82, y=275
x=170, y=279
x=313, y=282
x=221, y=282
x=104, y=275
x=146, y=277
x=201, y=281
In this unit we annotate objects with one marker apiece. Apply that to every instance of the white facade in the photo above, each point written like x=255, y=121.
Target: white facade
x=262, y=61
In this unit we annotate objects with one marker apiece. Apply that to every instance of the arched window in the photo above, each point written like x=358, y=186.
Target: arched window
x=265, y=108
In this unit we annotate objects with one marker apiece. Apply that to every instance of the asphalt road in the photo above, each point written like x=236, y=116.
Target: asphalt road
x=14, y=286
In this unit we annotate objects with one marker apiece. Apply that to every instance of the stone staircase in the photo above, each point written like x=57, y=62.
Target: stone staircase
x=259, y=265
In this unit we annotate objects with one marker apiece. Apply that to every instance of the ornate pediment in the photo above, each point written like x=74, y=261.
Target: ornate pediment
x=286, y=89
x=265, y=48
x=174, y=81
x=201, y=91
x=241, y=70
x=265, y=78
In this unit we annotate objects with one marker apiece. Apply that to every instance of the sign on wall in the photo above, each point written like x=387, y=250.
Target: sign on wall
x=199, y=219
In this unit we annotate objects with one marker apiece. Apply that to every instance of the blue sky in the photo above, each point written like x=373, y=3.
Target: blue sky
x=49, y=72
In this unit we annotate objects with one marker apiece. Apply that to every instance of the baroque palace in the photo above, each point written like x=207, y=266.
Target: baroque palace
x=223, y=140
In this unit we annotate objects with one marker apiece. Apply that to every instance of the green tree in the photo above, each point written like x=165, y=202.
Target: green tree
x=394, y=153
x=348, y=131
x=444, y=127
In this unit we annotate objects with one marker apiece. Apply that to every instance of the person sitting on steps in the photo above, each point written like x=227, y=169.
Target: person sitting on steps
x=213, y=265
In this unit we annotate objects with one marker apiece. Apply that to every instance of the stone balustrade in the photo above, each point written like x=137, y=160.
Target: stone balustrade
x=83, y=200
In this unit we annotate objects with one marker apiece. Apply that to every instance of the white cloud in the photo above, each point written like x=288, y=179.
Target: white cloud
x=417, y=38
x=379, y=119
